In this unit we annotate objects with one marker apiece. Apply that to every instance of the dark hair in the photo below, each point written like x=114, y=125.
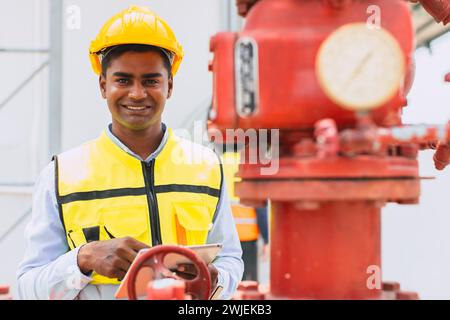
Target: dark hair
x=109, y=54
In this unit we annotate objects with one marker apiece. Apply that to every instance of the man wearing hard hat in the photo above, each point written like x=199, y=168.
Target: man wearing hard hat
x=135, y=186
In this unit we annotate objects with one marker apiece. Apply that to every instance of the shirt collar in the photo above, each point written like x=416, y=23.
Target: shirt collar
x=122, y=146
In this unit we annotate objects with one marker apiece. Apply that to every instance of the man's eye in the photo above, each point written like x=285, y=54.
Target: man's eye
x=151, y=82
x=122, y=81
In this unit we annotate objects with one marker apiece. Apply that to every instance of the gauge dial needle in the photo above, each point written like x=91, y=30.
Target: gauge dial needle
x=359, y=68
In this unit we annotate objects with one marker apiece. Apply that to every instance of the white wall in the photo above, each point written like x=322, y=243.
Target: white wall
x=23, y=138
x=23, y=24
x=415, y=238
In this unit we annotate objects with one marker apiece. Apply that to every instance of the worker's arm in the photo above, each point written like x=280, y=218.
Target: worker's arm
x=229, y=261
x=48, y=270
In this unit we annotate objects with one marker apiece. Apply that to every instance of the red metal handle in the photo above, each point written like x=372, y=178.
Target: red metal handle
x=244, y=6
x=442, y=156
x=4, y=289
x=199, y=287
x=438, y=9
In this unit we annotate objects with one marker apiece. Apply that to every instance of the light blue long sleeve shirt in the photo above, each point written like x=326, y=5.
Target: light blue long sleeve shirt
x=50, y=271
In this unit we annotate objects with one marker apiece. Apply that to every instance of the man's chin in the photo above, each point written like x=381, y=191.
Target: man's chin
x=138, y=126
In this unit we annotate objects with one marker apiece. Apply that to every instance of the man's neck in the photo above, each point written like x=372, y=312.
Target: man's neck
x=143, y=142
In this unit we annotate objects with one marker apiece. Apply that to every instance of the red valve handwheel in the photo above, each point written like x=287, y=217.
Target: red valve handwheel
x=199, y=287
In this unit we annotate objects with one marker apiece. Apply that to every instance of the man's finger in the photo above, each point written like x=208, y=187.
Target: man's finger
x=186, y=268
x=185, y=276
x=136, y=245
x=127, y=254
x=122, y=264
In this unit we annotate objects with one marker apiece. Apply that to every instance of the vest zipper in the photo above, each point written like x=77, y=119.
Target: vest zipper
x=149, y=174
x=70, y=237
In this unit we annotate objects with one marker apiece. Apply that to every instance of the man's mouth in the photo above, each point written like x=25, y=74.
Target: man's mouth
x=135, y=107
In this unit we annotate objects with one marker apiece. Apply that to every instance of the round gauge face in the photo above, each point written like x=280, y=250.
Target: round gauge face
x=360, y=68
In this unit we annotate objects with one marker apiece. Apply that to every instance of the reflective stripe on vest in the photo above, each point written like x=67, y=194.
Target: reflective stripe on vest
x=105, y=193
x=246, y=222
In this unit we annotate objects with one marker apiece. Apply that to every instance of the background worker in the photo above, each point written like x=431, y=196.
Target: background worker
x=250, y=222
x=136, y=186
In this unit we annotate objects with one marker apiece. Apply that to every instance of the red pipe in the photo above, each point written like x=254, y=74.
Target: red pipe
x=325, y=253
x=373, y=140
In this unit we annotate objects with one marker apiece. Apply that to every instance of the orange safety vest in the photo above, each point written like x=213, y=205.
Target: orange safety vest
x=246, y=223
x=244, y=217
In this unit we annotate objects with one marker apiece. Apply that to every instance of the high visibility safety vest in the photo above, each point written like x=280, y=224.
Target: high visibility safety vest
x=246, y=222
x=105, y=193
x=244, y=217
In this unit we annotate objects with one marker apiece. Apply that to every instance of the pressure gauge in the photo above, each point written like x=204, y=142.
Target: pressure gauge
x=360, y=68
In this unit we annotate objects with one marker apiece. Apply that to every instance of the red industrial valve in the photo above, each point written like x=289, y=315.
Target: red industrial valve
x=154, y=258
x=331, y=77
x=442, y=155
x=298, y=62
x=4, y=293
x=438, y=9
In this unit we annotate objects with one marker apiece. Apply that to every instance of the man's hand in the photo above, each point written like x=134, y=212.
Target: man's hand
x=109, y=258
x=187, y=271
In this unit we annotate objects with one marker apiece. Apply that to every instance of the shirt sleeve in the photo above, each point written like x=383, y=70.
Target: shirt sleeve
x=48, y=270
x=229, y=261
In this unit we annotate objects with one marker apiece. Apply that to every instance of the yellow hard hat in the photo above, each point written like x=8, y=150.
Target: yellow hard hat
x=136, y=25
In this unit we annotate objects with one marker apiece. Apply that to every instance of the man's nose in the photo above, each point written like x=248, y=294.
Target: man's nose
x=137, y=92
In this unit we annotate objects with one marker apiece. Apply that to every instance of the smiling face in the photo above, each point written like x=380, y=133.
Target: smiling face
x=136, y=86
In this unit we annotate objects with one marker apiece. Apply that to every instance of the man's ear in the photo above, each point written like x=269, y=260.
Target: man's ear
x=169, y=93
x=102, y=83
